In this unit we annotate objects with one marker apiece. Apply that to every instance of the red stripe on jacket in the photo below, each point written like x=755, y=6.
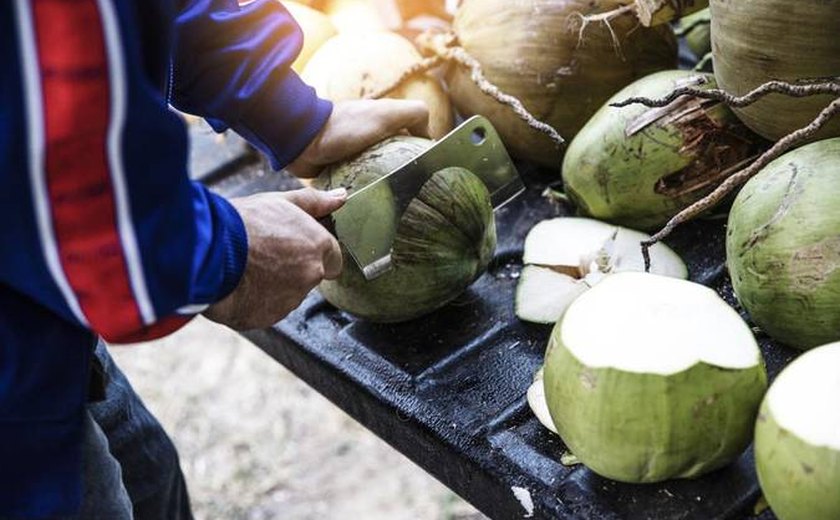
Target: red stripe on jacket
x=73, y=63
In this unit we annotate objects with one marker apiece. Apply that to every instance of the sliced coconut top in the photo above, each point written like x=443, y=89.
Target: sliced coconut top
x=644, y=323
x=543, y=294
x=566, y=256
x=805, y=398
x=563, y=241
x=593, y=245
x=627, y=255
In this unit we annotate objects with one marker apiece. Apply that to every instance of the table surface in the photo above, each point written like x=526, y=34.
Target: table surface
x=448, y=390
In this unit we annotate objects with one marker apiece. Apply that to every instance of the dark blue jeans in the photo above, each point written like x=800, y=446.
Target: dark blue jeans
x=129, y=446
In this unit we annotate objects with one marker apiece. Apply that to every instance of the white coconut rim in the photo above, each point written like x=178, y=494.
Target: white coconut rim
x=805, y=398
x=644, y=323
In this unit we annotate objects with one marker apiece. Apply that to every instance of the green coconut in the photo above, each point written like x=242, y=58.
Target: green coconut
x=649, y=378
x=696, y=28
x=756, y=42
x=783, y=246
x=638, y=166
x=444, y=240
x=797, y=438
x=539, y=52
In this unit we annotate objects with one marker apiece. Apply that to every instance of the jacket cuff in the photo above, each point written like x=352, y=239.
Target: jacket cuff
x=230, y=230
x=283, y=136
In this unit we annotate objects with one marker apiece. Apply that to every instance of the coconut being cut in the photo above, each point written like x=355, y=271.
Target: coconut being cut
x=564, y=257
x=649, y=378
x=797, y=438
x=443, y=241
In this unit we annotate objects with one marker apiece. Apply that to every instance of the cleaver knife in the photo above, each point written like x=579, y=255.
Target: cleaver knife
x=366, y=226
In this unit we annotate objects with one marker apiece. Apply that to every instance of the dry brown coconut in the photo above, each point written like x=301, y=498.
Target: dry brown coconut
x=559, y=58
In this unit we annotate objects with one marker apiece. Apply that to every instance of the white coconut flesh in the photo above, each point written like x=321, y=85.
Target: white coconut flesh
x=537, y=402
x=565, y=257
x=672, y=325
x=805, y=398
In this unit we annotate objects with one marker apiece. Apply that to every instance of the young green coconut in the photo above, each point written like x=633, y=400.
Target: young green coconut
x=564, y=257
x=649, y=378
x=796, y=41
x=696, y=28
x=444, y=240
x=797, y=438
x=638, y=166
x=783, y=246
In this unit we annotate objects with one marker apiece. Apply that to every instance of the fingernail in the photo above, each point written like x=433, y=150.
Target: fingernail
x=338, y=193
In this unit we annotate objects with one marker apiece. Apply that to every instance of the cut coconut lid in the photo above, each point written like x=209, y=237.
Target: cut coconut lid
x=805, y=398
x=577, y=242
x=543, y=294
x=644, y=323
x=566, y=256
x=562, y=241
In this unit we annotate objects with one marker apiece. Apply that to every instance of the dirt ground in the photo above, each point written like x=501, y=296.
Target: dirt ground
x=257, y=443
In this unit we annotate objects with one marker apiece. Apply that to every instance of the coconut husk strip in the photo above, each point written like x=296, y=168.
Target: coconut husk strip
x=443, y=47
x=771, y=87
x=782, y=146
x=606, y=19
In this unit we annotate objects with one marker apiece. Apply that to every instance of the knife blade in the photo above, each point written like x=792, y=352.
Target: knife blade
x=366, y=225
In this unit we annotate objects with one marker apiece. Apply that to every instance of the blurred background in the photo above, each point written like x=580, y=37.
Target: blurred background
x=257, y=443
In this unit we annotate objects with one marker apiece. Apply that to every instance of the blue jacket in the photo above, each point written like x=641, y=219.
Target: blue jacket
x=105, y=234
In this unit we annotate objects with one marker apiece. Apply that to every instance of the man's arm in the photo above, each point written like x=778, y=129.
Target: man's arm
x=106, y=228
x=232, y=66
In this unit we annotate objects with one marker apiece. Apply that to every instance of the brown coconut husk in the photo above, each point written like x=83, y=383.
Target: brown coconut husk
x=788, y=142
x=541, y=83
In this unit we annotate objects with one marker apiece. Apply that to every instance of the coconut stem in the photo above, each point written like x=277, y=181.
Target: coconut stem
x=771, y=87
x=782, y=145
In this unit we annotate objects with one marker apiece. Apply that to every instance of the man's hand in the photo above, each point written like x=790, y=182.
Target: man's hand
x=289, y=253
x=357, y=125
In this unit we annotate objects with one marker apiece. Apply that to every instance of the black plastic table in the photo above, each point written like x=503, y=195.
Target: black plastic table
x=448, y=390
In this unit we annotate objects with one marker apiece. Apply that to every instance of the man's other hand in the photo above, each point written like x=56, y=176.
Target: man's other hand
x=357, y=125
x=289, y=253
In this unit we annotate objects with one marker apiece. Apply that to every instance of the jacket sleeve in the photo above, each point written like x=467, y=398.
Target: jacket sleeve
x=109, y=231
x=232, y=65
